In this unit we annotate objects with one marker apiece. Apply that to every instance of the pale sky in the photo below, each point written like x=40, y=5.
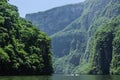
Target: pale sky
x=31, y=6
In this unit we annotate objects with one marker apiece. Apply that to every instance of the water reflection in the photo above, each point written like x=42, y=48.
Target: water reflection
x=103, y=77
x=62, y=77
x=26, y=78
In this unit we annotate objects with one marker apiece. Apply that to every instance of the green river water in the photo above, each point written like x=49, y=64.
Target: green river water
x=63, y=77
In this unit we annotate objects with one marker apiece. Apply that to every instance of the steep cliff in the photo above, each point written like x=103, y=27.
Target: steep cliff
x=105, y=49
x=24, y=49
x=73, y=43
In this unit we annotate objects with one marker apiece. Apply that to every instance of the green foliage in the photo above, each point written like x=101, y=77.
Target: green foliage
x=106, y=49
x=23, y=47
x=3, y=55
x=115, y=63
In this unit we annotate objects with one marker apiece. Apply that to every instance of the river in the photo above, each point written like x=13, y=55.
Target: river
x=62, y=77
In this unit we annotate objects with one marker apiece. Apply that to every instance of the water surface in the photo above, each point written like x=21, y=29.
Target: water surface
x=62, y=77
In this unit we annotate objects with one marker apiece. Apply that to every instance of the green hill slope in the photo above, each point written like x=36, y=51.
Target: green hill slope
x=24, y=49
x=105, y=50
x=56, y=19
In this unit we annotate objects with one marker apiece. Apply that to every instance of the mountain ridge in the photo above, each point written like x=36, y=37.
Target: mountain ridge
x=51, y=14
x=72, y=45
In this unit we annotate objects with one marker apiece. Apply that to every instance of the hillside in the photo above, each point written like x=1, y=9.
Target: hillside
x=105, y=50
x=72, y=45
x=56, y=19
x=24, y=49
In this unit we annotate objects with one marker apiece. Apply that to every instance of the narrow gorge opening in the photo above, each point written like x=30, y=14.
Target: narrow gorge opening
x=106, y=58
x=106, y=54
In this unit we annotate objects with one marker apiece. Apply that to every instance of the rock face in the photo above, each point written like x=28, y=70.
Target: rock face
x=106, y=49
x=56, y=19
x=24, y=49
x=73, y=45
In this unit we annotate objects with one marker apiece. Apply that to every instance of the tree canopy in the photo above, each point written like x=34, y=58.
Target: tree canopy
x=24, y=49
